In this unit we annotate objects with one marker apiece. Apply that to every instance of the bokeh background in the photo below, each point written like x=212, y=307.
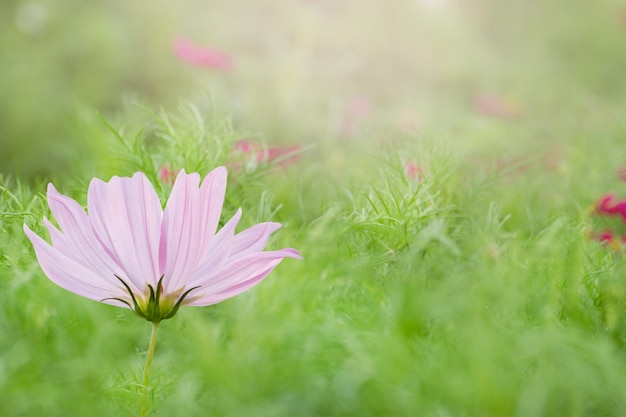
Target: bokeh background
x=498, y=79
x=449, y=154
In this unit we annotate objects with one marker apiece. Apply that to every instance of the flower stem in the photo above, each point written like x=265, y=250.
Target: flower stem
x=146, y=372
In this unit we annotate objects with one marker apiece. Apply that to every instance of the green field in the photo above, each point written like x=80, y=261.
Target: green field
x=436, y=163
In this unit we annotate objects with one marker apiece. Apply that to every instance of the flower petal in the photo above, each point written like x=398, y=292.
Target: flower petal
x=212, y=194
x=238, y=276
x=125, y=215
x=180, y=234
x=253, y=239
x=218, y=253
x=78, y=240
x=605, y=206
x=189, y=222
x=71, y=275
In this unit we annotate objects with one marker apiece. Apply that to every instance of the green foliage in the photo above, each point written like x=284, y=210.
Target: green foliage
x=433, y=294
x=399, y=212
x=474, y=289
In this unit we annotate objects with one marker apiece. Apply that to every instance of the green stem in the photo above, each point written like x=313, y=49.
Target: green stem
x=146, y=372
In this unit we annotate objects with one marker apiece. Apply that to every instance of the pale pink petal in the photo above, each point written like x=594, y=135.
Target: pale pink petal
x=218, y=253
x=189, y=222
x=200, y=298
x=77, y=239
x=238, y=276
x=212, y=193
x=181, y=237
x=253, y=239
x=71, y=275
x=125, y=215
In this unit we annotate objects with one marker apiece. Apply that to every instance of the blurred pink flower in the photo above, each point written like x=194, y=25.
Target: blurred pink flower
x=358, y=108
x=621, y=173
x=129, y=252
x=253, y=153
x=201, y=56
x=415, y=172
x=494, y=106
x=606, y=206
x=246, y=146
x=167, y=174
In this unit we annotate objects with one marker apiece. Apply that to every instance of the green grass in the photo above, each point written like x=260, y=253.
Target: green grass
x=473, y=292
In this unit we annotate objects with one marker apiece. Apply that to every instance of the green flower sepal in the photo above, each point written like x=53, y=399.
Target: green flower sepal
x=154, y=308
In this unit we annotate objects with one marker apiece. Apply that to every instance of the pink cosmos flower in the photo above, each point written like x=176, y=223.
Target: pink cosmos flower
x=255, y=154
x=606, y=206
x=203, y=57
x=129, y=252
x=494, y=106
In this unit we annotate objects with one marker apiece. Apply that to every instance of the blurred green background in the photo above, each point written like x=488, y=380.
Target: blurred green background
x=311, y=71
x=474, y=290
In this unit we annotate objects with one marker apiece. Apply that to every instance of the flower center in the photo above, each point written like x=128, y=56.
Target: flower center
x=154, y=306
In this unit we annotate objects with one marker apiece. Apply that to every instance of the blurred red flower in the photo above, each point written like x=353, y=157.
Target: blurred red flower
x=606, y=206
